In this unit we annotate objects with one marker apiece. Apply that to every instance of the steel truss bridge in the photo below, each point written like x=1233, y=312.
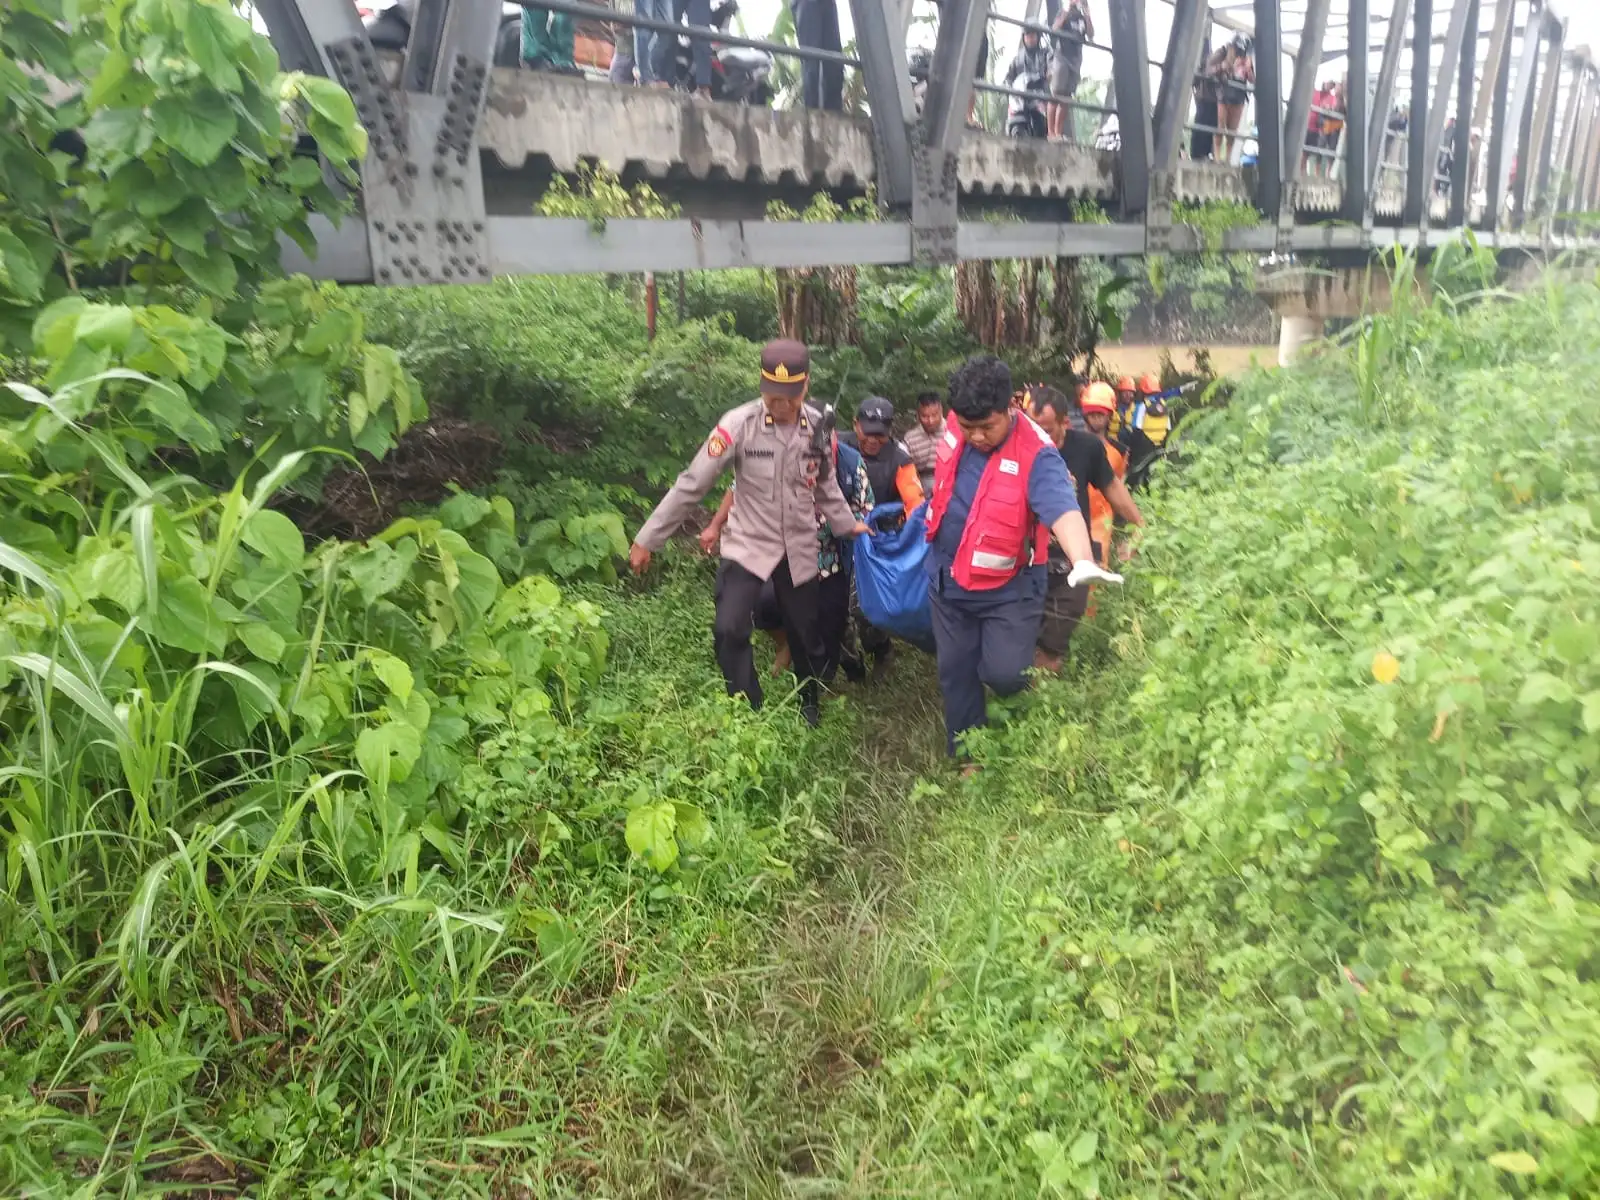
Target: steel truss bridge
x=445, y=195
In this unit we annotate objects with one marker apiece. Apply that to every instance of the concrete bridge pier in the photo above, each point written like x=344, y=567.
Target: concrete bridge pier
x=1294, y=334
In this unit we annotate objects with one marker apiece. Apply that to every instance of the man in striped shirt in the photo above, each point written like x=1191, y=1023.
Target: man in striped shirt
x=922, y=442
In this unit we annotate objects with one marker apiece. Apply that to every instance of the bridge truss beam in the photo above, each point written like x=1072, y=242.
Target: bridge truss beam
x=422, y=215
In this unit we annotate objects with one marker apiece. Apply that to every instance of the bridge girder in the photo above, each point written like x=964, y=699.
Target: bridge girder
x=423, y=219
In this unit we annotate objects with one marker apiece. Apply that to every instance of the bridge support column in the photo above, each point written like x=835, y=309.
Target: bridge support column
x=1294, y=334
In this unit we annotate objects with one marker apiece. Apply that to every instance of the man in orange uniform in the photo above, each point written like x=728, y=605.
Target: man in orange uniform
x=1098, y=403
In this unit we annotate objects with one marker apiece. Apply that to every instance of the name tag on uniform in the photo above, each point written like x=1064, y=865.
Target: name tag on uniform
x=1009, y=466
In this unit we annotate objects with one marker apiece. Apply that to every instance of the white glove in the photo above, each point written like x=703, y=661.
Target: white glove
x=1087, y=571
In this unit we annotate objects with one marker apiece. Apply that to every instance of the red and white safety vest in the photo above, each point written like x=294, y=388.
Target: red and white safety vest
x=1000, y=524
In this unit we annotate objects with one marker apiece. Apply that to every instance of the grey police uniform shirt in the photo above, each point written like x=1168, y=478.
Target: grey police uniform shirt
x=780, y=494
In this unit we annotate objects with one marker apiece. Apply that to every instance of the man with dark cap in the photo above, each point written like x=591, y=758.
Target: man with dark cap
x=1000, y=492
x=779, y=449
x=889, y=465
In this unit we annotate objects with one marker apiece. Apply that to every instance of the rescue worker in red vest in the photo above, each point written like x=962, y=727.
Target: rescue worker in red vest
x=785, y=475
x=1001, y=490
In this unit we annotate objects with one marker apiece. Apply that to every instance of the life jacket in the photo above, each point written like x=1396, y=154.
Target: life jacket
x=1102, y=519
x=1001, y=526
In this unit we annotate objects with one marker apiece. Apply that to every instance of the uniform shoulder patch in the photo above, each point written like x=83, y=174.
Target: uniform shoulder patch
x=719, y=441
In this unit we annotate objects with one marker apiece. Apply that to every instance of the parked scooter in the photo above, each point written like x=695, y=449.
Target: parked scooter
x=1026, y=118
x=741, y=74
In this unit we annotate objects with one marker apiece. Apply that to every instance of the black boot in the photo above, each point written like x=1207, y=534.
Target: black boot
x=880, y=663
x=809, y=708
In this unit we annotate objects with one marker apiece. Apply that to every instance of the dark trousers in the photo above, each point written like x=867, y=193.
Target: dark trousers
x=699, y=13
x=982, y=641
x=738, y=593
x=833, y=618
x=816, y=24
x=1200, y=140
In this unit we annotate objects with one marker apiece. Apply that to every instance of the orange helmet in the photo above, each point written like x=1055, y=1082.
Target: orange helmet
x=1098, y=397
x=1125, y=384
x=1149, y=384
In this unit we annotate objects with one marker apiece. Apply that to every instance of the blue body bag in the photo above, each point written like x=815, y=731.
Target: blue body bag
x=891, y=578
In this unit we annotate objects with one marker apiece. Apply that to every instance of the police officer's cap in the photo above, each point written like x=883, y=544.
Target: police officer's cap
x=876, y=416
x=785, y=367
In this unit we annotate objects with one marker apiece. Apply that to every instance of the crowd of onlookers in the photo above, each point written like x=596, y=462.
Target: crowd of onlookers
x=1048, y=62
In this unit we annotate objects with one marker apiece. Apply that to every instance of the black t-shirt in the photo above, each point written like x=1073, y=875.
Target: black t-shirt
x=882, y=468
x=1086, y=459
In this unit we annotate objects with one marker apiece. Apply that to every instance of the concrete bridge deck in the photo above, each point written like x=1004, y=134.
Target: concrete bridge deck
x=535, y=120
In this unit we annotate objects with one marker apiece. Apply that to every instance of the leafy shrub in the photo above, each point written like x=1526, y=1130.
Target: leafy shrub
x=1308, y=904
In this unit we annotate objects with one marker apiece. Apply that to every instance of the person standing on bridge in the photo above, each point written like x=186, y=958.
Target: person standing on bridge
x=1070, y=29
x=780, y=453
x=1238, y=77
x=653, y=51
x=816, y=26
x=1000, y=493
x=547, y=41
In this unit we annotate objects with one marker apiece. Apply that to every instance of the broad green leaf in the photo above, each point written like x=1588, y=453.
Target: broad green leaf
x=265, y=642
x=207, y=44
x=107, y=326
x=184, y=618
x=328, y=100
x=386, y=753
x=214, y=270
x=20, y=274
x=649, y=832
x=692, y=827
x=1083, y=1147
x=1543, y=686
x=1575, y=641
x=276, y=538
x=196, y=126
x=170, y=406
x=1591, y=712
x=379, y=569
x=1516, y=1162
x=394, y=673
x=113, y=575
x=1584, y=1099
x=357, y=405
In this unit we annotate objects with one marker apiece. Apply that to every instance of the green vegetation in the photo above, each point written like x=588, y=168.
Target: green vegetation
x=428, y=858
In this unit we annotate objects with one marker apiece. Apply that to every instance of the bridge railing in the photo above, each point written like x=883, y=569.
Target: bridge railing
x=423, y=216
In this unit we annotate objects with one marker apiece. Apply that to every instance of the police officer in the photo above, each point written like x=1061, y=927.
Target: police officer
x=1000, y=492
x=784, y=472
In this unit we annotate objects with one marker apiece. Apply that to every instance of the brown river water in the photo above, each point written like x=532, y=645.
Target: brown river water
x=1225, y=360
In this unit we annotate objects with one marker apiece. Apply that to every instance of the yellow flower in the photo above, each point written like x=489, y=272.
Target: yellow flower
x=1385, y=667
